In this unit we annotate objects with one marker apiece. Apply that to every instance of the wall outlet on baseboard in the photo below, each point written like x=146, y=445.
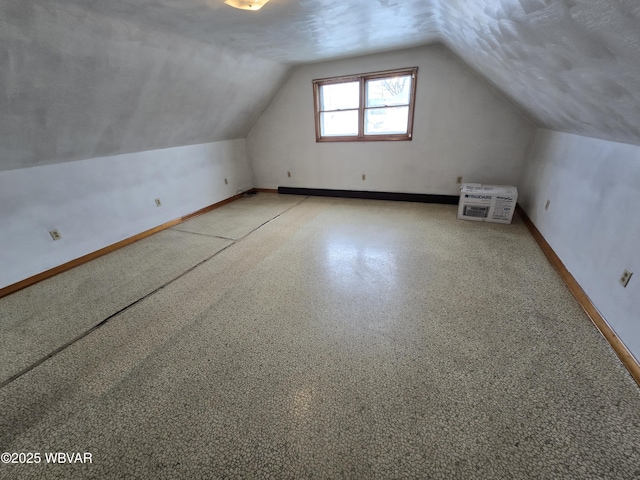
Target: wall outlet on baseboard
x=459, y=180
x=626, y=276
x=55, y=234
x=364, y=177
x=289, y=174
x=158, y=202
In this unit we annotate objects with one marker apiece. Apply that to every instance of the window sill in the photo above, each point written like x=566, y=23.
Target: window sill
x=368, y=138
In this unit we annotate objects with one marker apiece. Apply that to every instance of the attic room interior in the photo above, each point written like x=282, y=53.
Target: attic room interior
x=199, y=277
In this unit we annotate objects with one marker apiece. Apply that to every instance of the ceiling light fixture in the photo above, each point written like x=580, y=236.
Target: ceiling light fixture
x=247, y=4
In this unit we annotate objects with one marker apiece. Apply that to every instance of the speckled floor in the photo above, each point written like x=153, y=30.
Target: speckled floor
x=342, y=339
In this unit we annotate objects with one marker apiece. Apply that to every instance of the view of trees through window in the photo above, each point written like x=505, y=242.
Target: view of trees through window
x=387, y=109
x=376, y=106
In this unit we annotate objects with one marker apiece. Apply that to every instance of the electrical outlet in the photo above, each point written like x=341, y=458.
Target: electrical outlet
x=364, y=177
x=546, y=206
x=158, y=203
x=226, y=182
x=289, y=174
x=626, y=276
x=459, y=180
x=55, y=234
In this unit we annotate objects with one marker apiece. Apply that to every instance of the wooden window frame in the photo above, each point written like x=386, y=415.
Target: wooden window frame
x=362, y=79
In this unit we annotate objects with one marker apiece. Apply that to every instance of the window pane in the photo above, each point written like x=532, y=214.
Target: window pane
x=339, y=123
x=340, y=96
x=380, y=121
x=389, y=91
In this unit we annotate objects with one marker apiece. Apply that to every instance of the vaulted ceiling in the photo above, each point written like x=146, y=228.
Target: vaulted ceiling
x=86, y=78
x=572, y=65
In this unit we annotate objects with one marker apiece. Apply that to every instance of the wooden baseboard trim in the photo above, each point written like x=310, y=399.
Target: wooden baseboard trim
x=625, y=356
x=265, y=190
x=27, y=282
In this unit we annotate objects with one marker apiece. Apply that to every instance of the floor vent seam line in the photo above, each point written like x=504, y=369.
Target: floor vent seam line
x=205, y=234
x=271, y=219
x=103, y=322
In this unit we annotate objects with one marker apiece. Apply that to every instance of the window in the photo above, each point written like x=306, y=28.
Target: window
x=370, y=106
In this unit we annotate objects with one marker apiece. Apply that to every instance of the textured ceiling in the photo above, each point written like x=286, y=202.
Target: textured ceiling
x=78, y=84
x=83, y=78
x=289, y=31
x=571, y=65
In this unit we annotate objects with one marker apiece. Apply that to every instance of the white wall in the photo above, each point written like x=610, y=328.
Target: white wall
x=97, y=202
x=462, y=127
x=593, y=221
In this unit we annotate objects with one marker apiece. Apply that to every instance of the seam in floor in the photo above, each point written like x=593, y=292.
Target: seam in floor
x=63, y=347
x=206, y=234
